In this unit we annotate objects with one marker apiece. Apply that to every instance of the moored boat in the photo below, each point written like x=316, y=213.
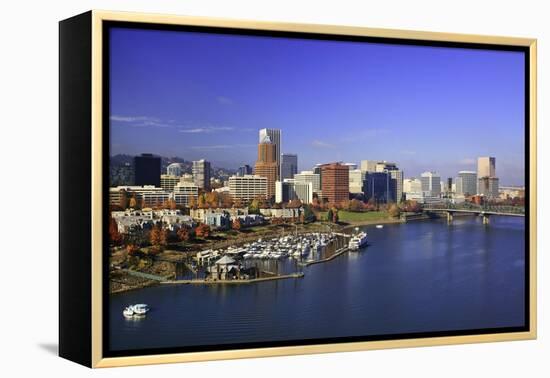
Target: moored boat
x=357, y=241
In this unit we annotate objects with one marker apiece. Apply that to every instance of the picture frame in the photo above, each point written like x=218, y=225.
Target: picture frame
x=84, y=120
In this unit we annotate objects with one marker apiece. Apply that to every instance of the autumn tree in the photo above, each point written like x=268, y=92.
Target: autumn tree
x=335, y=216
x=355, y=205
x=132, y=249
x=236, y=225
x=203, y=231
x=114, y=235
x=132, y=204
x=329, y=215
x=183, y=234
x=394, y=210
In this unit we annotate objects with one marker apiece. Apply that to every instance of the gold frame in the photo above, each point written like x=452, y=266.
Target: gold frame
x=97, y=358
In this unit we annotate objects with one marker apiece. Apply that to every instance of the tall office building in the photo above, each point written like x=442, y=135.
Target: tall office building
x=466, y=183
x=431, y=184
x=174, y=169
x=244, y=170
x=488, y=187
x=289, y=166
x=168, y=182
x=275, y=138
x=309, y=177
x=247, y=188
x=396, y=175
x=412, y=185
x=379, y=186
x=486, y=167
x=185, y=192
x=335, y=182
x=356, y=181
x=290, y=189
x=266, y=165
x=201, y=174
x=368, y=165
x=147, y=170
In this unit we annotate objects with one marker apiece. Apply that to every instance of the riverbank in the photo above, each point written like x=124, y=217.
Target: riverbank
x=232, y=282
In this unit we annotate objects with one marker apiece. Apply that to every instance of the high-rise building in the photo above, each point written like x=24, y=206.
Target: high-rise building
x=248, y=188
x=412, y=185
x=185, y=192
x=244, y=170
x=335, y=182
x=290, y=189
x=275, y=138
x=167, y=182
x=431, y=184
x=201, y=174
x=486, y=167
x=396, y=175
x=488, y=187
x=466, y=183
x=368, y=165
x=378, y=186
x=174, y=169
x=309, y=177
x=356, y=181
x=121, y=175
x=266, y=165
x=289, y=166
x=147, y=170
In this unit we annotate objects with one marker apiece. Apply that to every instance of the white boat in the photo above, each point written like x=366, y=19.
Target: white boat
x=128, y=312
x=140, y=309
x=357, y=241
x=379, y=226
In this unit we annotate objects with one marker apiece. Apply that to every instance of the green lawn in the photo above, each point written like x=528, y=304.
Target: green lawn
x=348, y=216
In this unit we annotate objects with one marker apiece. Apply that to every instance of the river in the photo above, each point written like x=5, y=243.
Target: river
x=422, y=276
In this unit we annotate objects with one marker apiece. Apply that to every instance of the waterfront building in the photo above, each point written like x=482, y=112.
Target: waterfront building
x=219, y=220
x=286, y=213
x=412, y=185
x=486, y=167
x=395, y=174
x=147, y=195
x=289, y=166
x=248, y=187
x=290, y=189
x=335, y=182
x=466, y=183
x=379, y=186
x=310, y=177
x=266, y=165
x=174, y=169
x=510, y=192
x=167, y=182
x=200, y=214
x=424, y=198
x=275, y=138
x=185, y=193
x=201, y=174
x=120, y=175
x=147, y=170
x=431, y=184
x=249, y=220
x=356, y=181
x=488, y=187
x=244, y=170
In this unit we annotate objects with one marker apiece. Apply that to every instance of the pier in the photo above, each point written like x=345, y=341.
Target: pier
x=232, y=282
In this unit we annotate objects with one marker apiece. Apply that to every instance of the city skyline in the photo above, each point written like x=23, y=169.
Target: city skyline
x=388, y=97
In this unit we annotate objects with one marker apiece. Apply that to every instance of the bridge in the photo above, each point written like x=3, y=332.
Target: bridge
x=483, y=210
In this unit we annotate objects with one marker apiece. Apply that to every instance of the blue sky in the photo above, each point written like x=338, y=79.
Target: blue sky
x=198, y=95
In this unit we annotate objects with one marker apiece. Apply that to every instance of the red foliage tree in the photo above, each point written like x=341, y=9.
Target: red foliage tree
x=203, y=230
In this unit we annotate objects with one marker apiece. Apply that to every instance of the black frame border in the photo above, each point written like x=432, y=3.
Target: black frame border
x=107, y=25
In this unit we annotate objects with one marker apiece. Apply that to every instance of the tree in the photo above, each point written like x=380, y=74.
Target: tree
x=203, y=230
x=355, y=205
x=330, y=215
x=295, y=204
x=254, y=207
x=183, y=234
x=335, y=216
x=132, y=249
x=192, y=202
x=154, y=235
x=308, y=214
x=114, y=235
x=236, y=225
x=394, y=210
x=202, y=202
x=132, y=204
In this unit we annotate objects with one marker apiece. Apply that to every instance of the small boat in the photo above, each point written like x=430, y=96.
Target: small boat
x=128, y=312
x=139, y=309
x=379, y=226
x=357, y=241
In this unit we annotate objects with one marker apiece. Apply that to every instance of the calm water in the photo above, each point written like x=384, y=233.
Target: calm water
x=415, y=277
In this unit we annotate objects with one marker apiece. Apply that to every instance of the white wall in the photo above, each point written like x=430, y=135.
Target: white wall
x=29, y=136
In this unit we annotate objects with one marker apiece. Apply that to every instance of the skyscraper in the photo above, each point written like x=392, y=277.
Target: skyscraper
x=266, y=165
x=201, y=174
x=174, y=169
x=466, y=183
x=147, y=170
x=275, y=138
x=488, y=187
x=289, y=166
x=431, y=184
x=244, y=170
x=378, y=186
x=486, y=167
x=335, y=182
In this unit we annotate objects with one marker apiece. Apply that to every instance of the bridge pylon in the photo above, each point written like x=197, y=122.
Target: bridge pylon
x=485, y=218
x=449, y=217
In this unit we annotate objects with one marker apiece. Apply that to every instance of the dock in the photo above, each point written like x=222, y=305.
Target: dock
x=232, y=282
x=339, y=252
